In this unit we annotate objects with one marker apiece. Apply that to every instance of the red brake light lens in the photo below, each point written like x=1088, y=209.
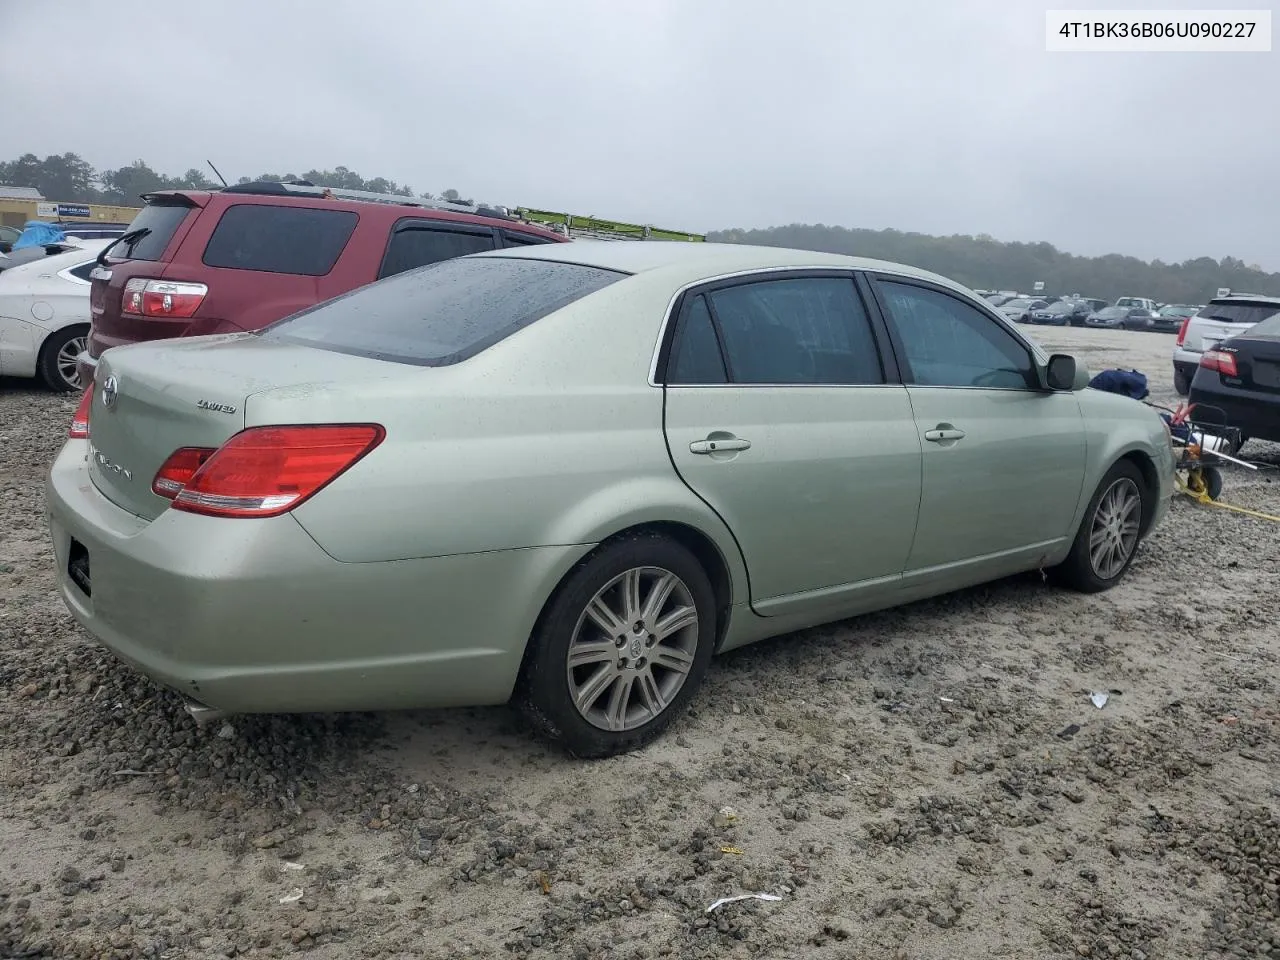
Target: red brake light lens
x=267, y=471
x=1182, y=331
x=80, y=420
x=1221, y=361
x=162, y=298
x=176, y=472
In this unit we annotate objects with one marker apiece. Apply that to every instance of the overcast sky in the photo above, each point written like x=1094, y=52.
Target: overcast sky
x=939, y=116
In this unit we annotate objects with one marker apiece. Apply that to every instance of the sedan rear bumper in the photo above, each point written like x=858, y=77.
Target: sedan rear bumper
x=251, y=616
x=1254, y=413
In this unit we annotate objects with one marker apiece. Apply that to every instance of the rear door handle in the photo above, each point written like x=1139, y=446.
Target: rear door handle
x=727, y=445
x=942, y=434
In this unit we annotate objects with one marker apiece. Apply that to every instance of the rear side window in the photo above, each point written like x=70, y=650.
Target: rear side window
x=303, y=241
x=151, y=230
x=1240, y=312
x=443, y=313
x=416, y=246
x=82, y=272
x=806, y=330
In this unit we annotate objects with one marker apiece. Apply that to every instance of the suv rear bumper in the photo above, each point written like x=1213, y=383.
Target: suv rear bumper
x=85, y=366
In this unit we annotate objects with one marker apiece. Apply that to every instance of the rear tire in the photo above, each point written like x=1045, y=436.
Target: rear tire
x=1181, y=385
x=57, y=364
x=600, y=692
x=1110, y=532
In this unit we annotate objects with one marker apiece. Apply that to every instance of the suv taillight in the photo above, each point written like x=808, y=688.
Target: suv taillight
x=1182, y=331
x=162, y=298
x=1221, y=361
x=264, y=471
x=79, y=429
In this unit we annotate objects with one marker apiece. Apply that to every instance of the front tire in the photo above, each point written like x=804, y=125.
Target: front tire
x=621, y=648
x=57, y=364
x=1110, y=532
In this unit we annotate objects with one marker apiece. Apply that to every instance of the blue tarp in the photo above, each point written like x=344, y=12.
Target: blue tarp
x=37, y=233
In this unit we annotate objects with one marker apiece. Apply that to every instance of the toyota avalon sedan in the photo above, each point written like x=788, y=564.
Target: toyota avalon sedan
x=568, y=475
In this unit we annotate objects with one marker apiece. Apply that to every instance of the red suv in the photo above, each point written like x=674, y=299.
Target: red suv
x=194, y=262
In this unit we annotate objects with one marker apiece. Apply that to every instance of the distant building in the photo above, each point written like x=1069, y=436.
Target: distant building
x=20, y=204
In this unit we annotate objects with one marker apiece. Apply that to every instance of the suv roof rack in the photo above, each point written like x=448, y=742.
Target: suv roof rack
x=306, y=188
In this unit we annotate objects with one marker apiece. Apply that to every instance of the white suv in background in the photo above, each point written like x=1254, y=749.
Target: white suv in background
x=1143, y=303
x=1220, y=318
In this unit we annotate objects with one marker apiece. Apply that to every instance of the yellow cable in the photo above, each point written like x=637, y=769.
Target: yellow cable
x=1203, y=498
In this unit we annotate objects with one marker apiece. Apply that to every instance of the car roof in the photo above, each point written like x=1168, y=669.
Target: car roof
x=690, y=261
x=1246, y=298
x=72, y=255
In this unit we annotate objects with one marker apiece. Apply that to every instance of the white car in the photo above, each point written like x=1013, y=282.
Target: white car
x=1219, y=319
x=44, y=315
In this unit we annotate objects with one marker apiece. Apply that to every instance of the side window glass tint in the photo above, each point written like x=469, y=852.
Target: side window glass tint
x=411, y=247
x=276, y=239
x=82, y=272
x=807, y=330
x=513, y=239
x=948, y=343
x=696, y=357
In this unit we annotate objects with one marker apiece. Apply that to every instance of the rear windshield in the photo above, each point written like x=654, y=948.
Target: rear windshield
x=442, y=313
x=160, y=221
x=1239, y=312
x=302, y=241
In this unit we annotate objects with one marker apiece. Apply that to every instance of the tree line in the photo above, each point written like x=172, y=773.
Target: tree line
x=984, y=263
x=71, y=179
x=977, y=261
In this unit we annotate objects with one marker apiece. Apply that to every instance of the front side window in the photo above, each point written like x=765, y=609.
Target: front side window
x=949, y=343
x=303, y=241
x=414, y=246
x=800, y=330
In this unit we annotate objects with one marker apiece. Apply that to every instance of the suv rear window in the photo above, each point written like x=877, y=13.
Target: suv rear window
x=445, y=312
x=1239, y=312
x=302, y=241
x=161, y=221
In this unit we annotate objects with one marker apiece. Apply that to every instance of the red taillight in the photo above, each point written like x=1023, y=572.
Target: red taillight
x=1221, y=361
x=1182, y=331
x=176, y=472
x=80, y=421
x=267, y=471
x=162, y=298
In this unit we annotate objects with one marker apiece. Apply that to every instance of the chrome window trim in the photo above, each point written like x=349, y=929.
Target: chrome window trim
x=1036, y=351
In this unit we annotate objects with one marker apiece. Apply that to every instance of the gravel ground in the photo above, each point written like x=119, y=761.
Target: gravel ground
x=931, y=782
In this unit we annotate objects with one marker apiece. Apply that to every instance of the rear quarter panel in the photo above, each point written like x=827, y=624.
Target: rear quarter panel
x=551, y=437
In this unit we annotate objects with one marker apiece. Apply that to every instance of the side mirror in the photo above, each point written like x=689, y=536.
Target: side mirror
x=1060, y=374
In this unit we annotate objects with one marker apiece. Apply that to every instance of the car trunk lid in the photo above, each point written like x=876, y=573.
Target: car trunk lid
x=153, y=399
x=1258, y=361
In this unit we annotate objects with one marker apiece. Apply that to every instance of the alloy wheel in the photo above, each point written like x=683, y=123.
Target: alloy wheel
x=632, y=649
x=1113, y=537
x=65, y=361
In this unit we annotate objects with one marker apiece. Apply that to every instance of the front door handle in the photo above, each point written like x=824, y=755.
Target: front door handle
x=724, y=445
x=942, y=433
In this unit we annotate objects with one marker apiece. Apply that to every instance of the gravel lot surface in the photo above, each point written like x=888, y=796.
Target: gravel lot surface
x=931, y=782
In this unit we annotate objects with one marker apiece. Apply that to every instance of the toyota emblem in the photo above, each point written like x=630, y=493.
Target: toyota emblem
x=109, y=391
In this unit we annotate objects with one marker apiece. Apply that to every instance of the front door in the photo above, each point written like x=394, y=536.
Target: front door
x=1003, y=459
x=780, y=416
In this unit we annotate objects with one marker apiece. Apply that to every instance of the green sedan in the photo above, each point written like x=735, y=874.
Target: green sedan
x=567, y=475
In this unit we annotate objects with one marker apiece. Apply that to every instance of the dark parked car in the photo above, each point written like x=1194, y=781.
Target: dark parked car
x=1062, y=313
x=1240, y=377
x=1112, y=317
x=1168, y=319
x=1139, y=318
x=194, y=262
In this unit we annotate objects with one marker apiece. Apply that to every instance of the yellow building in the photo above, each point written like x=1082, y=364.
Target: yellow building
x=20, y=204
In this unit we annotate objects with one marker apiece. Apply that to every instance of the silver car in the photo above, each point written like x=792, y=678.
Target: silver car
x=571, y=473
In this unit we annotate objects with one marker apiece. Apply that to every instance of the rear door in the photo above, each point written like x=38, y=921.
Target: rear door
x=782, y=416
x=1003, y=462
x=418, y=242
